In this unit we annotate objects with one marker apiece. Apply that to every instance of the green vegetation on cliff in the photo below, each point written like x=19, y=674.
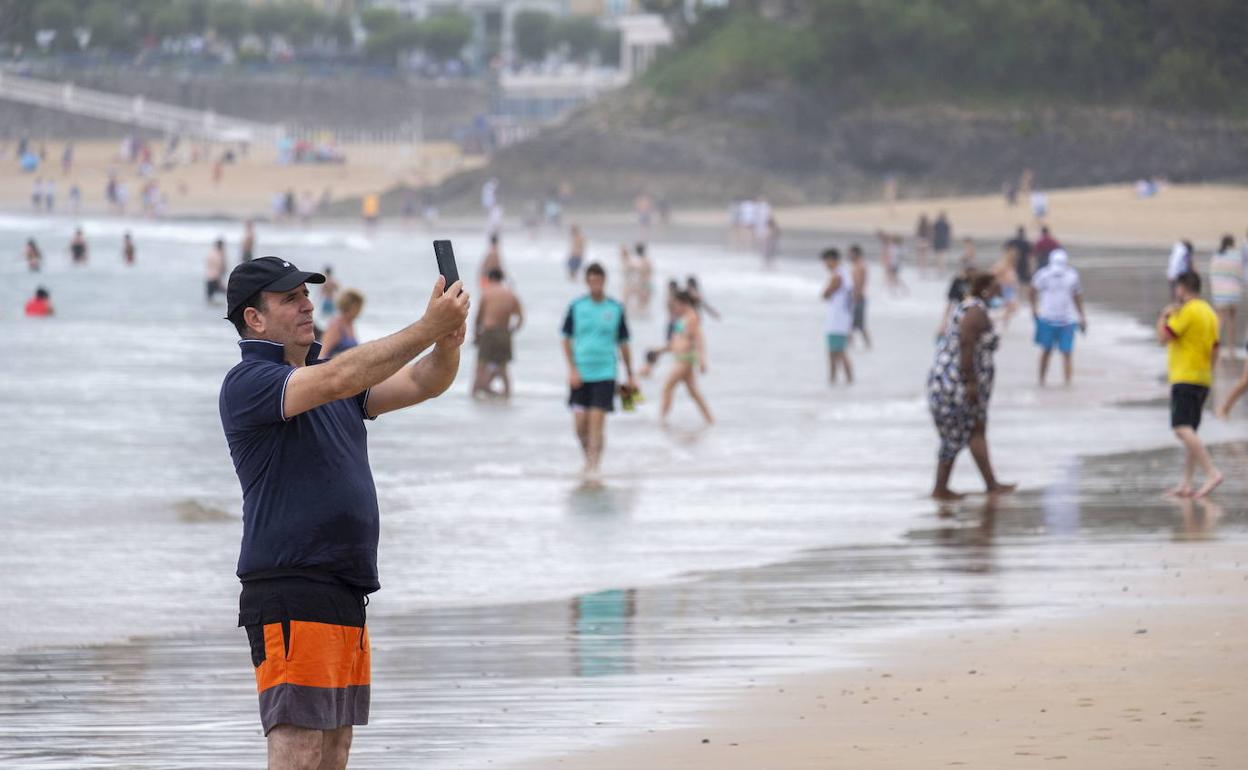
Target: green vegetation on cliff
x=1172, y=54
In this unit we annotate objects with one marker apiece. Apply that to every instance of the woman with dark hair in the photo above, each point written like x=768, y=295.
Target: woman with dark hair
x=959, y=386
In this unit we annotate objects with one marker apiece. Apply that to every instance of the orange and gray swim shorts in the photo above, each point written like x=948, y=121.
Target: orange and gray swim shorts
x=310, y=649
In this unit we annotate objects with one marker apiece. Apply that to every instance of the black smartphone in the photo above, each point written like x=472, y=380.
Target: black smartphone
x=446, y=261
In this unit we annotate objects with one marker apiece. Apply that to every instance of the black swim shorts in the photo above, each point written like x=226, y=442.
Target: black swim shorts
x=593, y=395
x=1187, y=401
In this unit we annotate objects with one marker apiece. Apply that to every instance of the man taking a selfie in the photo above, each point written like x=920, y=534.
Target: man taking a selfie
x=295, y=428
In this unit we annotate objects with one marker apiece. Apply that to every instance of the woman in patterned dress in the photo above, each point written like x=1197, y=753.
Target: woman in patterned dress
x=960, y=386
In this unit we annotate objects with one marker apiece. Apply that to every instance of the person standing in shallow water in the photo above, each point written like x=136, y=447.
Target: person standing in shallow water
x=942, y=239
x=959, y=387
x=214, y=270
x=594, y=327
x=576, y=252
x=127, y=249
x=78, y=248
x=688, y=348
x=923, y=242
x=1189, y=330
x=498, y=318
x=308, y=558
x=645, y=278
x=1057, y=307
x=858, y=269
x=1226, y=285
x=34, y=257
x=838, y=296
x=328, y=294
x=247, y=246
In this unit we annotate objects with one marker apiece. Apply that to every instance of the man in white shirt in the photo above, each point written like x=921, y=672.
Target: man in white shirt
x=1057, y=306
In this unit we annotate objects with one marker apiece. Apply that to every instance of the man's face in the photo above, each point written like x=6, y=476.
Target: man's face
x=831, y=264
x=286, y=318
x=596, y=283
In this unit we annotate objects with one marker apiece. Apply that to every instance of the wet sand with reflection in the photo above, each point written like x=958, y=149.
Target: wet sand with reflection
x=483, y=686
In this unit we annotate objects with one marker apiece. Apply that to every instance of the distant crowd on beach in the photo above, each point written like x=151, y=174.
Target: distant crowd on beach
x=133, y=184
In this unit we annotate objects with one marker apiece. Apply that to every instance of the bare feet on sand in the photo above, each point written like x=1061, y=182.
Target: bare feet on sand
x=946, y=495
x=1001, y=489
x=1182, y=490
x=1210, y=484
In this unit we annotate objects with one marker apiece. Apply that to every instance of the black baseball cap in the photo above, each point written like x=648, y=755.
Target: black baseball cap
x=263, y=274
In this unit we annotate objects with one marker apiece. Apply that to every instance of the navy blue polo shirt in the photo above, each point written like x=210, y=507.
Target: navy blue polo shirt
x=309, y=503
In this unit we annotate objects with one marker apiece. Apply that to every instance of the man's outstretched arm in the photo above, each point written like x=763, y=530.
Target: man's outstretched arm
x=372, y=363
x=427, y=378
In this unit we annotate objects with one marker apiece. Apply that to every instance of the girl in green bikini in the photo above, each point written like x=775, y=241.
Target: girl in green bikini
x=688, y=349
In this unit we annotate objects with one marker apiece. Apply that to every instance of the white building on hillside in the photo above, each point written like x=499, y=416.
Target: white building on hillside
x=641, y=37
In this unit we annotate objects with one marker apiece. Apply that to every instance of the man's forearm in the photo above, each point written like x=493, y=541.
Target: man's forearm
x=626, y=354
x=434, y=373
x=365, y=365
x=1162, y=329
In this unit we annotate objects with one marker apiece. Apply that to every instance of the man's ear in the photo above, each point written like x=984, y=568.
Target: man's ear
x=254, y=320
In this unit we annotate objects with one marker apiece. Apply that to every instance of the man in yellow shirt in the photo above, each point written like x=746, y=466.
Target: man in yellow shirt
x=1189, y=330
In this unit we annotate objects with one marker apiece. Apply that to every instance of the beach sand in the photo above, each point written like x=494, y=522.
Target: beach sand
x=1105, y=215
x=1109, y=215
x=1156, y=683
x=247, y=186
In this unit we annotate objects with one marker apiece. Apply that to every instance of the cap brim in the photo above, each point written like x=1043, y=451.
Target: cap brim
x=291, y=280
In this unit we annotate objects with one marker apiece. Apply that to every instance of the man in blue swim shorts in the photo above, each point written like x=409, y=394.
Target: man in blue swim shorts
x=1057, y=305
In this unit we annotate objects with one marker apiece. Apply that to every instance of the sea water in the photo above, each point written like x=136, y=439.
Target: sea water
x=122, y=511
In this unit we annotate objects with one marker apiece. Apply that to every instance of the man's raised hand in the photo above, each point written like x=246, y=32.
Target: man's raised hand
x=448, y=308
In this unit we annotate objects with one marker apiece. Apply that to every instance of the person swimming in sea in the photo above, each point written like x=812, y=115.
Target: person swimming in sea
x=340, y=332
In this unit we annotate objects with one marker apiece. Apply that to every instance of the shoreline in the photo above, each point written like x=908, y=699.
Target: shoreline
x=1149, y=681
x=1102, y=217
